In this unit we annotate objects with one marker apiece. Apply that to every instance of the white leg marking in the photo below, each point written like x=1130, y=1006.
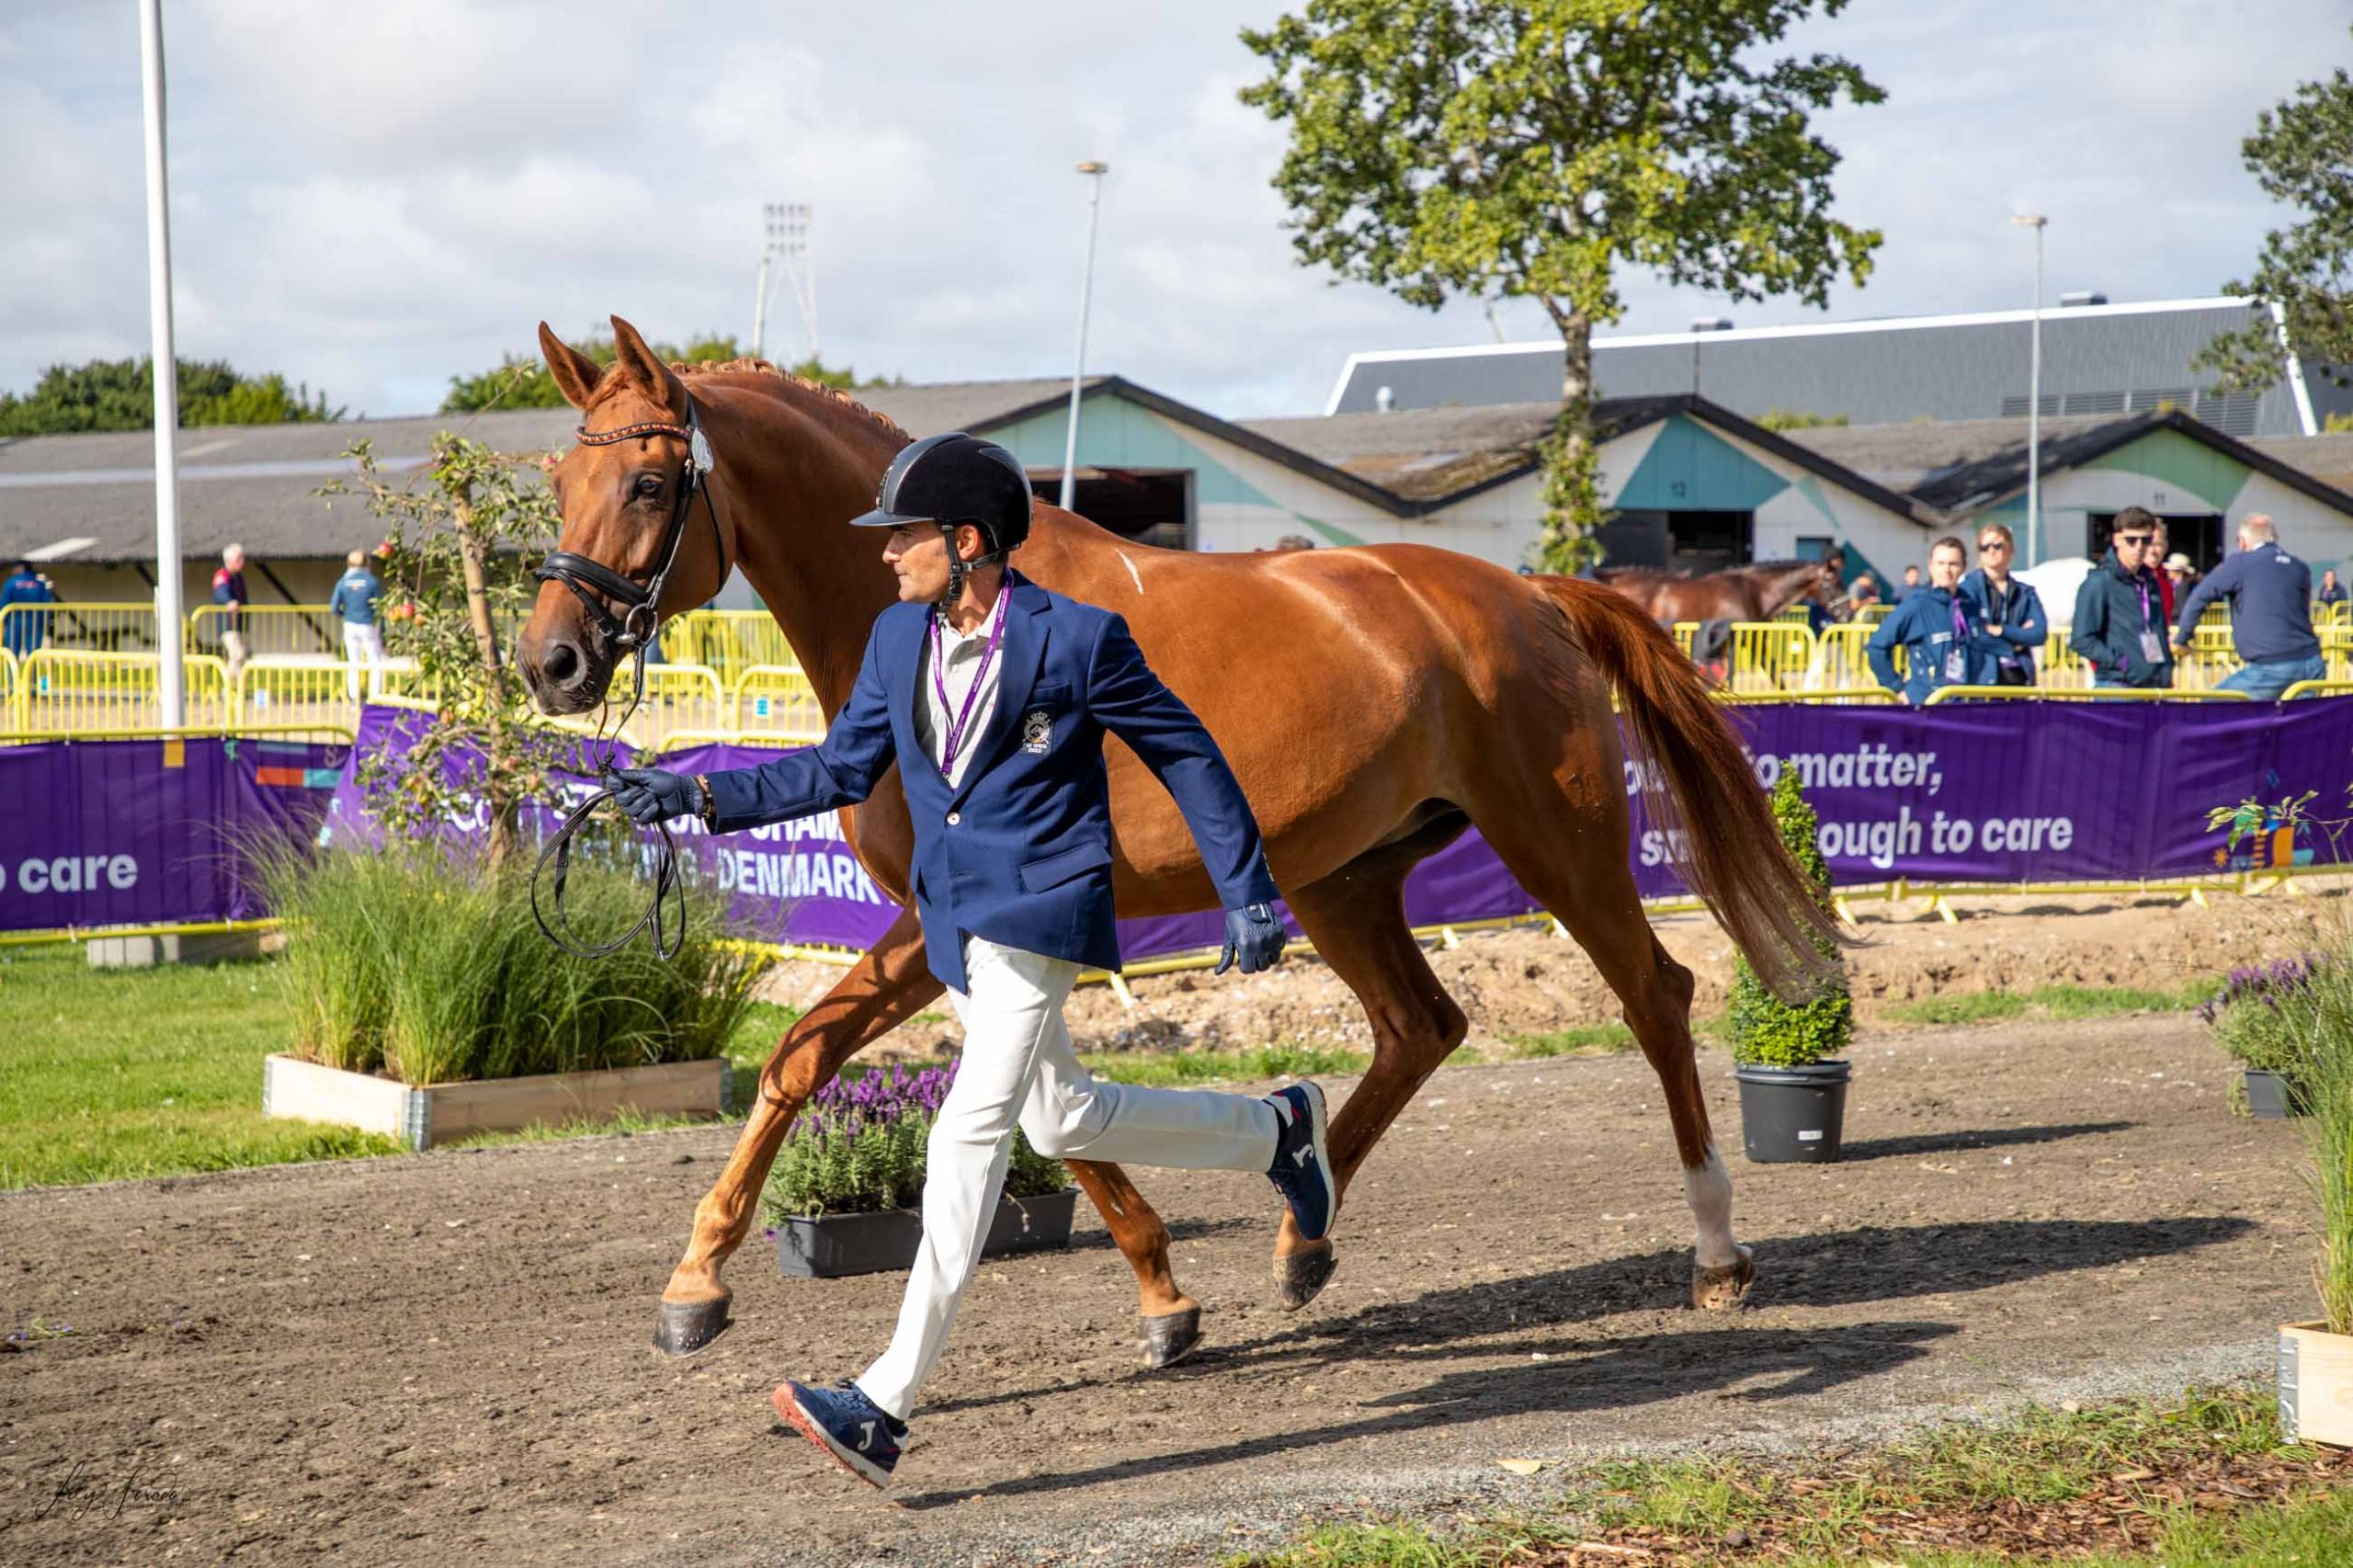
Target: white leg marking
x=1133, y=575
x=1708, y=1189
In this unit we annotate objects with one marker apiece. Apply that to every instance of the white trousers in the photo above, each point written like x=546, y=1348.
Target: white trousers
x=1018, y=1068
x=362, y=646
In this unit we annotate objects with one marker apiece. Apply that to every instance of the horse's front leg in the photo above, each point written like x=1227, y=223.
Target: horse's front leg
x=885, y=988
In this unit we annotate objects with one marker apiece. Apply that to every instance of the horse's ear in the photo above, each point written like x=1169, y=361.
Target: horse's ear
x=575, y=374
x=644, y=367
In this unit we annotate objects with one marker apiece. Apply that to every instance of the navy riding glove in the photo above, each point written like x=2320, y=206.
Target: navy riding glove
x=650, y=794
x=1253, y=939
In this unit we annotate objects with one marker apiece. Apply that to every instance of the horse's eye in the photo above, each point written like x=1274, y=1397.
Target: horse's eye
x=649, y=485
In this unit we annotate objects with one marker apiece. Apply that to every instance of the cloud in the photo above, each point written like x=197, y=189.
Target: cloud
x=375, y=198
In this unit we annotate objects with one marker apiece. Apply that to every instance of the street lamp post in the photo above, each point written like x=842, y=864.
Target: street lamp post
x=1093, y=171
x=169, y=687
x=2036, y=221
x=785, y=237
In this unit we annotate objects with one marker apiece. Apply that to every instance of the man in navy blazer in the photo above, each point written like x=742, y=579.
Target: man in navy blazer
x=994, y=696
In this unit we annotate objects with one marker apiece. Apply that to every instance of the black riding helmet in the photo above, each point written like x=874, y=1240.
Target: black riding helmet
x=952, y=479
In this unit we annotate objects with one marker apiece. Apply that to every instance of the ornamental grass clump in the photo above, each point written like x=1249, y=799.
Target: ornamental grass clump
x=1765, y=1030
x=426, y=965
x=2326, y=1085
x=859, y=1147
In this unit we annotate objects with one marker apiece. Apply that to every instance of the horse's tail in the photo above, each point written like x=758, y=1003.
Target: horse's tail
x=1698, y=787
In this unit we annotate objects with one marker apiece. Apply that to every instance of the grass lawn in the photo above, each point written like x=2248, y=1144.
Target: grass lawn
x=111, y=1073
x=2203, y=1481
x=2053, y=1002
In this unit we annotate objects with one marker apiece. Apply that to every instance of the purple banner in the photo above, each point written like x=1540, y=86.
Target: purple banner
x=144, y=832
x=115, y=832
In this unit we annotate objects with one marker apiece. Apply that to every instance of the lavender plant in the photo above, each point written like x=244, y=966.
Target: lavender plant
x=2264, y=1016
x=859, y=1147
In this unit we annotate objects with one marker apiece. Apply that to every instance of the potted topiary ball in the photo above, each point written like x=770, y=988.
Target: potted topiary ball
x=1793, y=1079
x=844, y=1194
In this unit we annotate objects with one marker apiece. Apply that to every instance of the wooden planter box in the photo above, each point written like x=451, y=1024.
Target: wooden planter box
x=2316, y=1384
x=441, y=1112
x=832, y=1246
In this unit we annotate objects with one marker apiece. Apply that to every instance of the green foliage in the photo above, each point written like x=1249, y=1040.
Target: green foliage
x=2327, y=1083
x=1767, y=1031
x=861, y=1145
x=1528, y=149
x=483, y=742
x=2302, y=154
x=522, y=380
x=1798, y=419
x=425, y=966
x=1181, y=1069
x=120, y=395
x=2051, y=1002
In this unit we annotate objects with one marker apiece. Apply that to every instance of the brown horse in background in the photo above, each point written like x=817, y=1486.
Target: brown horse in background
x=1758, y=592
x=1442, y=692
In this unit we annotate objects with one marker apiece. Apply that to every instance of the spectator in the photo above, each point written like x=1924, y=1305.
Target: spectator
x=2154, y=559
x=2271, y=613
x=356, y=594
x=1935, y=627
x=1911, y=585
x=2180, y=573
x=1862, y=593
x=2011, y=611
x=229, y=592
x=2117, y=611
x=2332, y=592
x=25, y=630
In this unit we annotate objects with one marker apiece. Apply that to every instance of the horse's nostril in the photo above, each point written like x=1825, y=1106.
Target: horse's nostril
x=561, y=664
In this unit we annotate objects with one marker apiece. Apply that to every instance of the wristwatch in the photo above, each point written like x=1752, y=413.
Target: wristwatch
x=710, y=804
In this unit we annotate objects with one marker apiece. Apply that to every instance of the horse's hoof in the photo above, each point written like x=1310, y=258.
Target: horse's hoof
x=1170, y=1338
x=1720, y=1289
x=685, y=1327
x=1301, y=1274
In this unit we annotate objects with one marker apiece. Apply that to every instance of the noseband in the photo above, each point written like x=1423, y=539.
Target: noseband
x=633, y=630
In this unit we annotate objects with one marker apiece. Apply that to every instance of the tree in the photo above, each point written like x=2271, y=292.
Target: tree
x=2302, y=154
x=522, y=380
x=120, y=395
x=1484, y=147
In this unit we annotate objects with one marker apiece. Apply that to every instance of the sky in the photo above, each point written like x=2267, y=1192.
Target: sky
x=372, y=198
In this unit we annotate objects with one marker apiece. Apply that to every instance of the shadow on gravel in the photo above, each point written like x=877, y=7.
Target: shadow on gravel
x=1961, y=1143
x=1750, y=1366
x=1876, y=1263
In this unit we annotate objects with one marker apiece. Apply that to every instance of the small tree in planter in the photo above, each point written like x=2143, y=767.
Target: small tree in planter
x=1792, y=1085
x=843, y=1194
x=2264, y=1018
x=2316, y=1357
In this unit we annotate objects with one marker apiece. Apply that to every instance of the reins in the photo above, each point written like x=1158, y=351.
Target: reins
x=632, y=633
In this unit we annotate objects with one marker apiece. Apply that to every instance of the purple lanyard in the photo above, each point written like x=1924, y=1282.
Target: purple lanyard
x=956, y=726
x=1959, y=622
x=2144, y=604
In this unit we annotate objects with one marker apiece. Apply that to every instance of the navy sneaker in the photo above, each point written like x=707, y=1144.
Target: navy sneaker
x=1301, y=1171
x=850, y=1426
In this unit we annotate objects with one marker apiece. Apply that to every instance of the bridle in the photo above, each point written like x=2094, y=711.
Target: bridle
x=631, y=633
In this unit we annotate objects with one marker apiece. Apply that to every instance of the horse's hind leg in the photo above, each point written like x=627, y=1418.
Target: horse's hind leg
x=1356, y=917
x=1595, y=897
x=885, y=988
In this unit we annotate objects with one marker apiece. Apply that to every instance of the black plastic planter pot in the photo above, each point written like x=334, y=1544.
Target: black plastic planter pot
x=2270, y=1098
x=832, y=1246
x=1792, y=1113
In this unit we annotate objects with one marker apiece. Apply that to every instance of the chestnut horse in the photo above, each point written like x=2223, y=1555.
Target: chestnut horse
x=1743, y=593
x=1442, y=692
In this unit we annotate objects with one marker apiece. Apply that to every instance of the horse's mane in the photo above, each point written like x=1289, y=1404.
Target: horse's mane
x=765, y=369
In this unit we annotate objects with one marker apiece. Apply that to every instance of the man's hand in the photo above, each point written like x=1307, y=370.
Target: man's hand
x=1254, y=938
x=2180, y=650
x=650, y=794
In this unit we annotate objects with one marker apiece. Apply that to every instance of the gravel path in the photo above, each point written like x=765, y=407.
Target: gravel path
x=421, y=1358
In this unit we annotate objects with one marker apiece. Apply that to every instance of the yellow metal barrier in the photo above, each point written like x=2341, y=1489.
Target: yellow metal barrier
x=2087, y=694
x=778, y=698
x=677, y=697
x=2318, y=689
x=59, y=689
x=271, y=630
x=1838, y=658
x=1770, y=656
x=83, y=627
x=728, y=640
x=1851, y=696
x=7, y=681
x=292, y=690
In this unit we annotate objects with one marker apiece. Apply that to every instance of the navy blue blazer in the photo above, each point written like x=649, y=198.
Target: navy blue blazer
x=1019, y=853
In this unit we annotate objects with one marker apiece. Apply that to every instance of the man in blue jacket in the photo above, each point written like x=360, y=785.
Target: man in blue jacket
x=993, y=695
x=1935, y=627
x=2119, y=627
x=355, y=600
x=27, y=629
x=2011, y=611
x=2272, y=614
